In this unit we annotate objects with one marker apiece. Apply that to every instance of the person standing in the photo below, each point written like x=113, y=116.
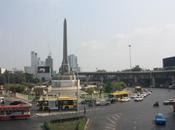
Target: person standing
x=84, y=109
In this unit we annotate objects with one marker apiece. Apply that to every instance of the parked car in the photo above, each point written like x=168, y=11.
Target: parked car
x=149, y=92
x=134, y=96
x=112, y=99
x=102, y=103
x=160, y=119
x=144, y=94
x=169, y=102
x=172, y=101
x=125, y=99
x=138, y=99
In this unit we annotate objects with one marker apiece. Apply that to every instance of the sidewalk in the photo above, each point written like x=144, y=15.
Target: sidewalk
x=43, y=114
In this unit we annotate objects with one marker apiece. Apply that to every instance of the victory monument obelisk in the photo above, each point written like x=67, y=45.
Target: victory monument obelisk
x=67, y=83
x=66, y=74
x=65, y=66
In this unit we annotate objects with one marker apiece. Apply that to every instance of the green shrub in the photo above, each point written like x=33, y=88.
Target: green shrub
x=77, y=124
x=82, y=123
x=16, y=87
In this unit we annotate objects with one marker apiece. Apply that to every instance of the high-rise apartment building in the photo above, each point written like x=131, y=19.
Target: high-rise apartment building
x=34, y=59
x=73, y=63
x=34, y=63
x=49, y=62
x=41, y=69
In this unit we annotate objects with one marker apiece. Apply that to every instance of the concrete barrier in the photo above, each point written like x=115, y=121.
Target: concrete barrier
x=22, y=96
x=86, y=126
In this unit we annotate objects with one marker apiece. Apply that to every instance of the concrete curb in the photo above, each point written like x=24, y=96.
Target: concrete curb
x=53, y=114
x=87, y=122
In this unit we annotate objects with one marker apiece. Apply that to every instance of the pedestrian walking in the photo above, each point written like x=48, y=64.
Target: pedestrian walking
x=84, y=110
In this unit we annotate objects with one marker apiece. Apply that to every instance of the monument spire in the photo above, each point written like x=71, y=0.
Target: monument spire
x=65, y=65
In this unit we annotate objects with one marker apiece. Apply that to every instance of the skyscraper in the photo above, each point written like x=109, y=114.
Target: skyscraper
x=49, y=62
x=73, y=62
x=34, y=59
x=34, y=62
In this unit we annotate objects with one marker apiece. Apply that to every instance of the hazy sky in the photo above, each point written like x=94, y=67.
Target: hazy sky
x=99, y=32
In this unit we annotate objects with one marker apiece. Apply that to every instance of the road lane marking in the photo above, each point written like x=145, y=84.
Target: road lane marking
x=112, y=121
x=111, y=125
x=110, y=128
x=34, y=116
x=115, y=117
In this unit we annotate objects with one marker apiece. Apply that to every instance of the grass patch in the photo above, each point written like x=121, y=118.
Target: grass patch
x=76, y=124
x=82, y=123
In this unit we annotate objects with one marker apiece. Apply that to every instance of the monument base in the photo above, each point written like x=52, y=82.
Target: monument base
x=67, y=86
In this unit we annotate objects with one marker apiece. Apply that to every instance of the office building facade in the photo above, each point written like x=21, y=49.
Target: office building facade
x=73, y=62
x=49, y=62
x=169, y=63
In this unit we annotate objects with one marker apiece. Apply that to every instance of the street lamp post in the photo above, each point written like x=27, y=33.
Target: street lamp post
x=130, y=56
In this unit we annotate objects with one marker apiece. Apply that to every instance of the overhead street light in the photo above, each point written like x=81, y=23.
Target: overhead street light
x=130, y=56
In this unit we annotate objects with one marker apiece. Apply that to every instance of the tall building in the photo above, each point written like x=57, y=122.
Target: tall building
x=169, y=63
x=39, y=68
x=43, y=73
x=34, y=63
x=29, y=70
x=34, y=59
x=49, y=62
x=73, y=62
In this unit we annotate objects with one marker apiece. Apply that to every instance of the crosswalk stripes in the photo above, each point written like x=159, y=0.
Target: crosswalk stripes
x=112, y=122
x=115, y=117
x=110, y=128
x=33, y=116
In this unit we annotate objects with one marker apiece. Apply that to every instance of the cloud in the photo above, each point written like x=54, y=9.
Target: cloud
x=1, y=33
x=149, y=45
x=94, y=45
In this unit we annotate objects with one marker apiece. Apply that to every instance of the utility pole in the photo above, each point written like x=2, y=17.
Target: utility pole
x=130, y=56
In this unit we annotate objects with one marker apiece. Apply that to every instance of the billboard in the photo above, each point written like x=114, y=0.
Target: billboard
x=169, y=62
x=43, y=69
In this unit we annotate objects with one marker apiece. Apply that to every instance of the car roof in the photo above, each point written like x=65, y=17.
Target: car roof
x=159, y=114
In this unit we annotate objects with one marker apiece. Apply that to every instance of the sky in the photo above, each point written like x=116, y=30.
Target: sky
x=99, y=32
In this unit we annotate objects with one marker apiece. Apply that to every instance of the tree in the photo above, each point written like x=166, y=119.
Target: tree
x=101, y=70
x=2, y=79
x=15, y=87
x=90, y=91
x=118, y=86
x=107, y=87
x=18, y=77
x=137, y=68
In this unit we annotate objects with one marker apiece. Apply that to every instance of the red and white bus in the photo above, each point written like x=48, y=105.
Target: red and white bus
x=19, y=111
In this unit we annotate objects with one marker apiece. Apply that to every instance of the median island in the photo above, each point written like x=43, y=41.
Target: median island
x=67, y=124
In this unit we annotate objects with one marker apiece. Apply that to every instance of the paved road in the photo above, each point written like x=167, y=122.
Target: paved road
x=119, y=116
x=37, y=120
x=134, y=115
